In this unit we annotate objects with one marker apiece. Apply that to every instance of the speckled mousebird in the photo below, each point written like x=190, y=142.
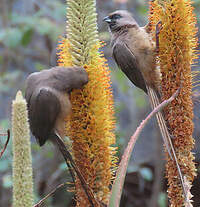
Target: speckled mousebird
x=134, y=51
x=47, y=95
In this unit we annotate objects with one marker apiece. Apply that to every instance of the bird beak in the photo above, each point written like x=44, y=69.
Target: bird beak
x=107, y=19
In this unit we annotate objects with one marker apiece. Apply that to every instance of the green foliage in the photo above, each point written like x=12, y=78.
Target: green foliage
x=196, y=3
x=1, y=59
x=27, y=31
x=11, y=37
x=7, y=181
x=39, y=66
x=5, y=87
x=162, y=200
x=140, y=99
x=146, y=173
x=121, y=80
x=5, y=161
x=27, y=36
x=4, y=123
x=22, y=27
x=4, y=165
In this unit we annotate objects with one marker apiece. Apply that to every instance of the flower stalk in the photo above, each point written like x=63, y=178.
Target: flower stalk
x=91, y=123
x=22, y=160
x=177, y=43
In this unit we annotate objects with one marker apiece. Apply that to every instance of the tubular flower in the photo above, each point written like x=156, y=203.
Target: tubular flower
x=22, y=162
x=91, y=123
x=177, y=43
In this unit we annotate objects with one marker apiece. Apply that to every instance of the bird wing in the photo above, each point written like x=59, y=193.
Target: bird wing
x=44, y=108
x=66, y=78
x=126, y=60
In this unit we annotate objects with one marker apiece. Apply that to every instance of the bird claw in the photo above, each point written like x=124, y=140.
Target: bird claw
x=158, y=29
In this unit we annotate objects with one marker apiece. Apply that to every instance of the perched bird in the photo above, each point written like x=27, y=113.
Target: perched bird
x=47, y=95
x=135, y=53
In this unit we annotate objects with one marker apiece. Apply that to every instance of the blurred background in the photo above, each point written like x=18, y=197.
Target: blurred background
x=29, y=34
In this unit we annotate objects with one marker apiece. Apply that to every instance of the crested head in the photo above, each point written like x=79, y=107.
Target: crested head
x=120, y=19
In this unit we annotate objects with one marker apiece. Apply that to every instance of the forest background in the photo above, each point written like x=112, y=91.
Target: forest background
x=29, y=34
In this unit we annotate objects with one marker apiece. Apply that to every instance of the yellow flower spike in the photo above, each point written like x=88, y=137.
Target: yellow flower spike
x=176, y=54
x=22, y=160
x=91, y=123
x=65, y=58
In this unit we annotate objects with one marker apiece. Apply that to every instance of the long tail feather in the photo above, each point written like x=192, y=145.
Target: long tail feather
x=154, y=100
x=69, y=160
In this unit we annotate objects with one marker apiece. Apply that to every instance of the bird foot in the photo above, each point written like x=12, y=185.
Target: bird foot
x=158, y=29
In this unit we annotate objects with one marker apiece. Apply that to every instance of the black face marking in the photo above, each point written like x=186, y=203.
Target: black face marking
x=115, y=16
x=113, y=23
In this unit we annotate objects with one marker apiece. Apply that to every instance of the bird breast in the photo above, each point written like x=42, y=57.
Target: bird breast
x=65, y=103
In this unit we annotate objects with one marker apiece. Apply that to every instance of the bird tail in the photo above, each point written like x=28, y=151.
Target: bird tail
x=155, y=101
x=70, y=162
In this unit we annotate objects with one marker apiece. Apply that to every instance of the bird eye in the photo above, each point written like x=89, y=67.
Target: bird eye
x=116, y=16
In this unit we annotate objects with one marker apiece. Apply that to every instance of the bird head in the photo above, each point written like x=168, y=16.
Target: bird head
x=120, y=19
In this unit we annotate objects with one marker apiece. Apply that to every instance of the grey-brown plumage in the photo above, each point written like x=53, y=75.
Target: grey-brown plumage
x=135, y=53
x=47, y=95
x=133, y=50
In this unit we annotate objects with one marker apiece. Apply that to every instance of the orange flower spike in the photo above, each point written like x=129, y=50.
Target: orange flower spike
x=91, y=123
x=176, y=54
